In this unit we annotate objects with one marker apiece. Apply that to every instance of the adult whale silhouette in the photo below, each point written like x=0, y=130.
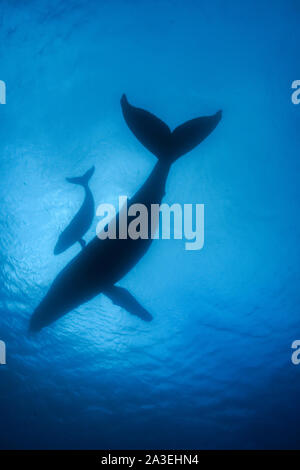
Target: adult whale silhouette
x=102, y=263
x=82, y=221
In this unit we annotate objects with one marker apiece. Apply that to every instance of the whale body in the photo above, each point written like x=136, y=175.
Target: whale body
x=82, y=221
x=103, y=263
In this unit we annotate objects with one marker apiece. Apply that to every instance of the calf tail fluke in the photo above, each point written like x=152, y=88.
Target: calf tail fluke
x=84, y=179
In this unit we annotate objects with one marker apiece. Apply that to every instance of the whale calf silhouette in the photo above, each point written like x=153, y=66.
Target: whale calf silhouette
x=82, y=221
x=102, y=263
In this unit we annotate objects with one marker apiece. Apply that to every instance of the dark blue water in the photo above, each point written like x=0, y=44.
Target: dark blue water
x=213, y=369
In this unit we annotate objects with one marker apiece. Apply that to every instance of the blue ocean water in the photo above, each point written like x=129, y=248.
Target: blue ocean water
x=213, y=369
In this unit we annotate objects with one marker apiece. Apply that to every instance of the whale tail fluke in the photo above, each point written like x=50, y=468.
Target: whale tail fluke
x=84, y=179
x=157, y=137
x=190, y=134
x=153, y=133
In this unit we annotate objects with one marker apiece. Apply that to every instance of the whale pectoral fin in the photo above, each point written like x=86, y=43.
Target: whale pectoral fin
x=124, y=299
x=82, y=243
